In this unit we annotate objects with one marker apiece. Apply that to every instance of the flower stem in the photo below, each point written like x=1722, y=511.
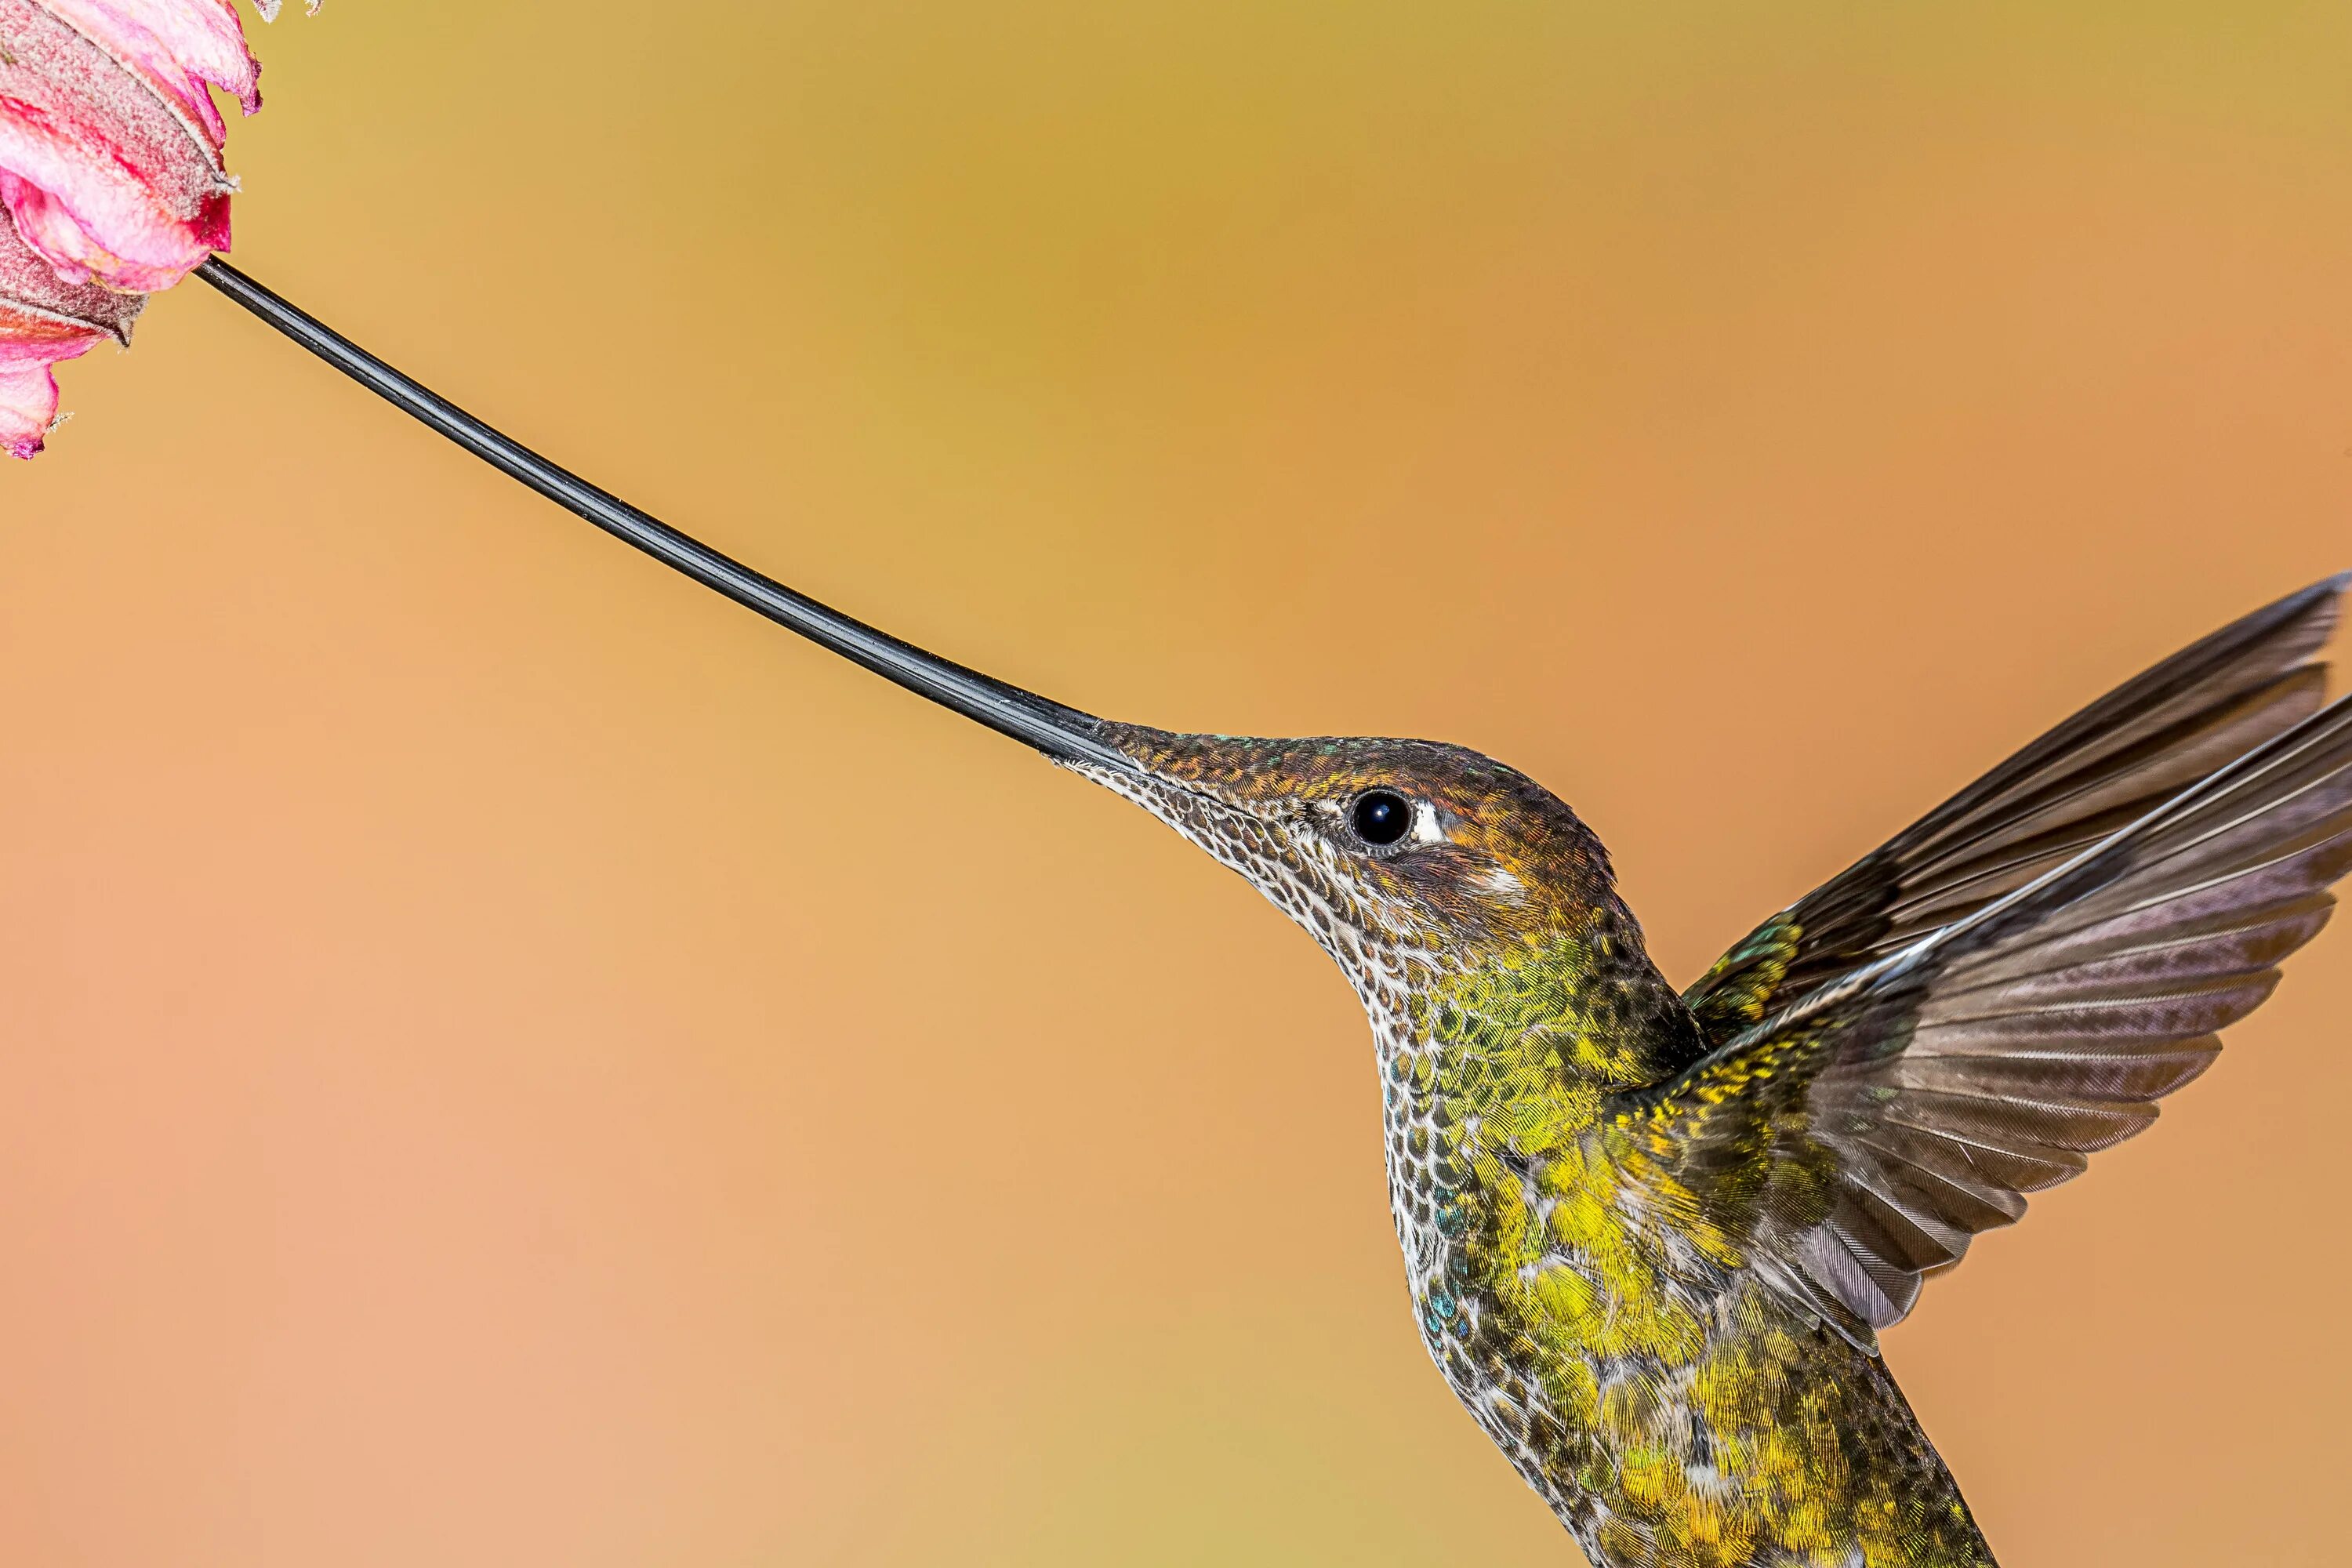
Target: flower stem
x=1061, y=731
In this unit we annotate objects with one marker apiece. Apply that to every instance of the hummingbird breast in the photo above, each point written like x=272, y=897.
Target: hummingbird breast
x=1670, y=1406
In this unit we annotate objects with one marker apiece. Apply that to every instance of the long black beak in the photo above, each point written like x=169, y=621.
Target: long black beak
x=1055, y=730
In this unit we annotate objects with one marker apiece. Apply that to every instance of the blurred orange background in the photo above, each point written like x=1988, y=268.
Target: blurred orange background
x=511, y=1060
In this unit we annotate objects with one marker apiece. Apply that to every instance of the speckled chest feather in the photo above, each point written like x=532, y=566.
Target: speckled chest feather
x=1624, y=1356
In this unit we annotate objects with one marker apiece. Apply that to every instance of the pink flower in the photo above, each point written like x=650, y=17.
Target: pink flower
x=111, y=170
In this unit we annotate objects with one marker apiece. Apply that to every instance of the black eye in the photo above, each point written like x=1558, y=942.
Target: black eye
x=1382, y=816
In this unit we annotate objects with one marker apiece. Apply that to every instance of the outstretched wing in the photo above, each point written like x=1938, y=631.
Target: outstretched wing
x=2105, y=766
x=1855, y=1139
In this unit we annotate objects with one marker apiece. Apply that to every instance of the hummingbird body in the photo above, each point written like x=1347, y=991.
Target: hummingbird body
x=1651, y=1237
x=1669, y=1407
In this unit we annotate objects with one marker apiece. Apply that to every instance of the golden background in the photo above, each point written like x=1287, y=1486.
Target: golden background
x=512, y=1060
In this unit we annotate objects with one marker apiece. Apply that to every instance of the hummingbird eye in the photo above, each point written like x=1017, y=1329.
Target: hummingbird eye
x=1381, y=816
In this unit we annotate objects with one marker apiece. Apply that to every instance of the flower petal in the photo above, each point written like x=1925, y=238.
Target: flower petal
x=43, y=319
x=106, y=172
x=29, y=392
x=181, y=47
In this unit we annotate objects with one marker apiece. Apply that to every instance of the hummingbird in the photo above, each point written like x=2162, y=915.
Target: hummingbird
x=1651, y=1235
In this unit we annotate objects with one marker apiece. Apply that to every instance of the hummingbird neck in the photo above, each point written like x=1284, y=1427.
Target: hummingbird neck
x=1578, y=1008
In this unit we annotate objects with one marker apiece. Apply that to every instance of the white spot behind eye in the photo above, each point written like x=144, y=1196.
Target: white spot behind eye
x=1425, y=830
x=1503, y=883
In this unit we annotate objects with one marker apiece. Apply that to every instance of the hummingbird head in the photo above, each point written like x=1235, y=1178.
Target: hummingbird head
x=1383, y=850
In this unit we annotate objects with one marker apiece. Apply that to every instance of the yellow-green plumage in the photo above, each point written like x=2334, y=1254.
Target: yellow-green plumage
x=1601, y=1326
x=1651, y=1237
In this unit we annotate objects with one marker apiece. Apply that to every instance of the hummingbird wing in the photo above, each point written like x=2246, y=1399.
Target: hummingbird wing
x=1853, y=1141
x=2101, y=769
